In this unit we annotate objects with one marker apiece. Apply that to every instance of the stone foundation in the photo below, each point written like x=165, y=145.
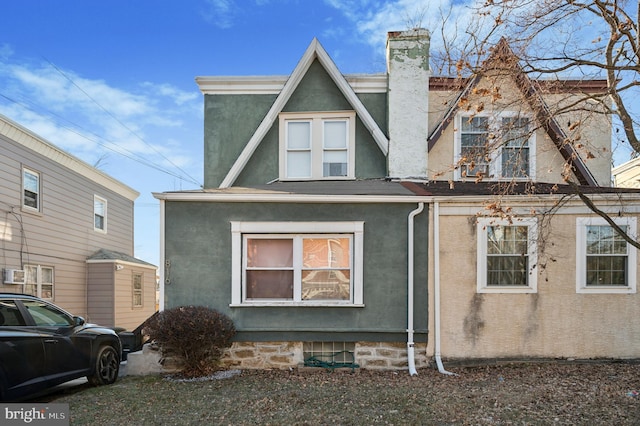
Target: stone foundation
x=282, y=355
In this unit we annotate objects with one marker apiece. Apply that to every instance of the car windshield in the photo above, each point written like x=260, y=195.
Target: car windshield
x=46, y=315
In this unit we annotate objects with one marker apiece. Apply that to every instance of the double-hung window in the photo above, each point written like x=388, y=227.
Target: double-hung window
x=99, y=214
x=297, y=263
x=317, y=145
x=137, y=289
x=605, y=262
x=31, y=190
x=39, y=281
x=494, y=147
x=507, y=255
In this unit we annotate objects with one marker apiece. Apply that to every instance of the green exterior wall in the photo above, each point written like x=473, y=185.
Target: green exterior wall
x=231, y=120
x=198, y=241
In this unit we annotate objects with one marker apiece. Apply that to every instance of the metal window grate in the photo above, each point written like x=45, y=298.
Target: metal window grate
x=330, y=355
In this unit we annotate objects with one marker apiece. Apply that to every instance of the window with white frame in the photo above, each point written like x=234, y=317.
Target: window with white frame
x=297, y=263
x=137, y=290
x=31, y=189
x=497, y=146
x=99, y=214
x=317, y=145
x=507, y=255
x=605, y=262
x=39, y=281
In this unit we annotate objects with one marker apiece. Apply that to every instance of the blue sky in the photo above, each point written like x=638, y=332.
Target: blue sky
x=112, y=82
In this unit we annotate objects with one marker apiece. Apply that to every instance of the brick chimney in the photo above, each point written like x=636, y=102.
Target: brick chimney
x=408, y=102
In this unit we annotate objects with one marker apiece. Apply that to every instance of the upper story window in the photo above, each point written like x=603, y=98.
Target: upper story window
x=99, y=214
x=507, y=255
x=317, y=145
x=500, y=146
x=297, y=263
x=605, y=262
x=31, y=189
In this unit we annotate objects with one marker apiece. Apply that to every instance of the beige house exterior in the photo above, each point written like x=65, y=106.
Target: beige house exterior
x=559, y=318
x=56, y=213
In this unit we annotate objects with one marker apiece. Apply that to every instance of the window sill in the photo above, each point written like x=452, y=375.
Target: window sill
x=605, y=290
x=294, y=305
x=507, y=290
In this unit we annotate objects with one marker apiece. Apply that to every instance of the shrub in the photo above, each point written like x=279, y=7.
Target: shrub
x=195, y=335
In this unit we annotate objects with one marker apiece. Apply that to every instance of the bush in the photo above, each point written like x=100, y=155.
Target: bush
x=195, y=335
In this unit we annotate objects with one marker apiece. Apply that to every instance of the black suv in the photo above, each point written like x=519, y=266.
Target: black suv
x=42, y=346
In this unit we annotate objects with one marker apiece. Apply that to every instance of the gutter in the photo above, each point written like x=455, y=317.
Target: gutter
x=410, y=279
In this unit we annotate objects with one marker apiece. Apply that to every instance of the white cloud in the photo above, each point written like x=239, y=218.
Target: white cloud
x=92, y=119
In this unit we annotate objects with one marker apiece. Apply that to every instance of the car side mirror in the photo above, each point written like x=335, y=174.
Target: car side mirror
x=78, y=321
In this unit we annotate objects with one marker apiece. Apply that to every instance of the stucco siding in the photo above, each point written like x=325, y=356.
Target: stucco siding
x=556, y=321
x=198, y=242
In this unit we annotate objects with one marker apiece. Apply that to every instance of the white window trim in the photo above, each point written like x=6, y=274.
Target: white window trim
x=355, y=228
x=316, y=119
x=104, y=202
x=495, y=165
x=481, y=230
x=39, y=175
x=581, y=256
x=39, y=281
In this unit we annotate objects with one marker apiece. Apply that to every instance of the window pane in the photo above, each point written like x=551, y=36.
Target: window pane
x=299, y=164
x=326, y=253
x=334, y=163
x=335, y=134
x=507, y=255
x=269, y=253
x=326, y=285
x=269, y=284
x=298, y=135
x=31, y=182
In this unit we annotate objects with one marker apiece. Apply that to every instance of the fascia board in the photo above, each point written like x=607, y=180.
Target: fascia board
x=273, y=85
x=286, y=198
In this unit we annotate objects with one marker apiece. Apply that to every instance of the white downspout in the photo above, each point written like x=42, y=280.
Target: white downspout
x=410, y=250
x=436, y=285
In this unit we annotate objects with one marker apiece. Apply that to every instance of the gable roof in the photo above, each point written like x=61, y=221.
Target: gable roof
x=313, y=52
x=502, y=55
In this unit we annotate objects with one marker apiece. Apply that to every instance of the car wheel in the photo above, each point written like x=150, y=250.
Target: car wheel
x=106, y=368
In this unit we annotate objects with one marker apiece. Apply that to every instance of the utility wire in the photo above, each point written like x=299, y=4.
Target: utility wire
x=111, y=146
x=193, y=180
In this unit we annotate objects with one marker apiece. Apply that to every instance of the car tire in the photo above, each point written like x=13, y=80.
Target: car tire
x=107, y=366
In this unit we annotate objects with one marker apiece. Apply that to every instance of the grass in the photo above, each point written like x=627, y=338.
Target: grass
x=558, y=394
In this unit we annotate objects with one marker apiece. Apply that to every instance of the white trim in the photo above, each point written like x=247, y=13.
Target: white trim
x=581, y=256
x=355, y=228
x=104, y=217
x=317, y=120
x=30, y=140
x=273, y=85
x=39, y=193
x=532, y=253
x=314, y=51
x=495, y=163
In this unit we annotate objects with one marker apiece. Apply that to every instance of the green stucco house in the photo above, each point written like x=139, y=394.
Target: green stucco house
x=339, y=211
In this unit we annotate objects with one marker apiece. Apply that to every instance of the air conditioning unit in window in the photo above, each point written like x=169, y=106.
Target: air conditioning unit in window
x=14, y=276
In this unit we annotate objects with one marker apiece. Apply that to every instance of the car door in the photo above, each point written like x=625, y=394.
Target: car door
x=65, y=357
x=22, y=356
